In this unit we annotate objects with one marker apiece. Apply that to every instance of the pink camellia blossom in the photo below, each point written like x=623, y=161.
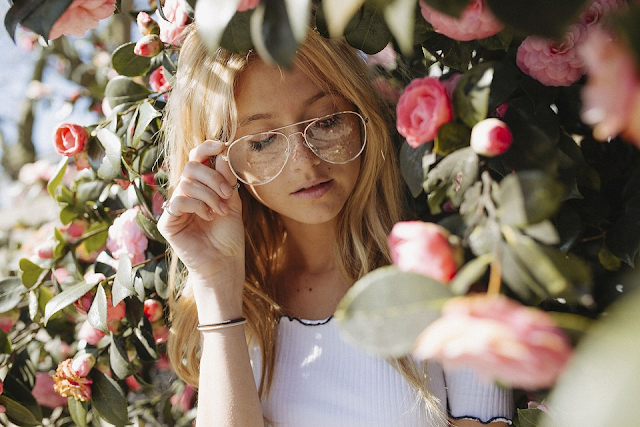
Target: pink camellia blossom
x=146, y=24
x=422, y=109
x=80, y=16
x=172, y=27
x=70, y=139
x=90, y=334
x=149, y=45
x=2, y=408
x=9, y=319
x=45, y=249
x=160, y=332
x=83, y=364
x=69, y=384
x=612, y=89
x=153, y=310
x=475, y=22
x=425, y=248
x=132, y=383
x=498, y=338
x=44, y=392
x=491, y=137
x=126, y=238
x=598, y=10
x=39, y=171
x=550, y=62
x=158, y=82
x=245, y=5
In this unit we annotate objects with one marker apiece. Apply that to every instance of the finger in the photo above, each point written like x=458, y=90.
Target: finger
x=222, y=166
x=180, y=206
x=201, y=191
x=208, y=148
x=195, y=172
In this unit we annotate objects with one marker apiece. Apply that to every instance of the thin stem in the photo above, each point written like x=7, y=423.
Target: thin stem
x=495, y=277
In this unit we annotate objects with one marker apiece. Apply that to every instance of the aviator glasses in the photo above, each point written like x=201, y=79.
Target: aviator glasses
x=335, y=138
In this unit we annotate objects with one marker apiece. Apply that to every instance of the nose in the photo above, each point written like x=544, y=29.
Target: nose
x=301, y=153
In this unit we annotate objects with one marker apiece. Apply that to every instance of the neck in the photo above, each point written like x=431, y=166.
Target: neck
x=310, y=247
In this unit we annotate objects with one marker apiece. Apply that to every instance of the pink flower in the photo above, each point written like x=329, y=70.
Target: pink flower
x=146, y=24
x=160, y=332
x=422, y=109
x=598, y=10
x=70, y=139
x=158, y=82
x=156, y=203
x=425, y=248
x=40, y=171
x=61, y=274
x=247, y=5
x=45, y=249
x=491, y=137
x=44, y=392
x=69, y=384
x=90, y=334
x=75, y=229
x=83, y=364
x=8, y=320
x=553, y=63
x=498, y=338
x=385, y=90
x=475, y=22
x=153, y=310
x=613, y=85
x=126, y=238
x=171, y=29
x=185, y=400
x=80, y=16
x=132, y=383
x=149, y=45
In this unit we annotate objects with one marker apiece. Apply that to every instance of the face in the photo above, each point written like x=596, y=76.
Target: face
x=308, y=190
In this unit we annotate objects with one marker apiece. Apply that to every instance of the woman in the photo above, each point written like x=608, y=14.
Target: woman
x=309, y=153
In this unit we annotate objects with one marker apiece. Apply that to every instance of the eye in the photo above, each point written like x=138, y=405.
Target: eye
x=261, y=141
x=328, y=122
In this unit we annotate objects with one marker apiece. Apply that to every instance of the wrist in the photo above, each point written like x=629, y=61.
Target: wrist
x=217, y=304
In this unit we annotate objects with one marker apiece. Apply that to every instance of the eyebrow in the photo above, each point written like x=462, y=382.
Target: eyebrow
x=263, y=116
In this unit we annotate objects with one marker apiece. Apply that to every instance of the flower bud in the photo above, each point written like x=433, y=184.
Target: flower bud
x=149, y=45
x=45, y=249
x=153, y=310
x=146, y=24
x=7, y=321
x=70, y=139
x=82, y=364
x=491, y=137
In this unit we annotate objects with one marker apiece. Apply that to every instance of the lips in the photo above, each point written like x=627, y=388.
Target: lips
x=311, y=186
x=313, y=190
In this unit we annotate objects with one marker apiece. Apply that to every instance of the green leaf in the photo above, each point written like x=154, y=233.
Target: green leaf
x=411, y=166
x=12, y=292
x=607, y=395
x=212, y=18
x=124, y=90
x=118, y=359
x=111, y=167
x=123, y=282
x=543, y=231
x=5, y=343
x=36, y=15
x=97, y=315
x=30, y=272
x=108, y=399
x=623, y=239
x=97, y=240
x=56, y=179
x=18, y=414
x=529, y=417
x=626, y=23
x=546, y=18
x=385, y=311
x=78, y=411
x=518, y=278
x=452, y=136
x=146, y=114
x=528, y=197
x=371, y=35
x=148, y=227
x=66, y=298
x=161, y=282
x=450, y=7
x=237, y=34
x=144, y=342
x=471, y=96
x=455, y=173
x=400, y=19
x=336, y=17
x=470, y=273
x=127, y=63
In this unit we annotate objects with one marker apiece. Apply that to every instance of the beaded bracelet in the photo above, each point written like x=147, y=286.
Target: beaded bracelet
x=222, y=325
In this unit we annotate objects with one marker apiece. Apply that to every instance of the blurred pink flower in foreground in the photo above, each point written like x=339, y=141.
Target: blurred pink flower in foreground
x=44, y=392
x=148, y=46
x=245, y=5
x=69, y=384
x=423, y=108
x=90, y=334
x=491, y=137
x=425, y=248
x=550, y=62
x=475, y=22
x=611, y=97
x=598, y=10
x=126, y=238
x=146, y=24
x=8, y=320
x=172, y=27
x=80, y=16
x=500, y=339
x=40, y=171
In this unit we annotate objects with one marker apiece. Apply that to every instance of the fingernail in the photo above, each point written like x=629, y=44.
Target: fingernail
x=225, y=189
x=223, y=207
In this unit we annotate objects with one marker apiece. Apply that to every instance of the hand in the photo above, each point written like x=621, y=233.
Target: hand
x=203, y=222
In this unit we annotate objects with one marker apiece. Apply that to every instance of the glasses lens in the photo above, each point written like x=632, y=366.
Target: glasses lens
x=337, y=138
x=258, y=158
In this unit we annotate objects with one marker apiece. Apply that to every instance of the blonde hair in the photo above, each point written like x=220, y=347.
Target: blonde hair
x=201, y=106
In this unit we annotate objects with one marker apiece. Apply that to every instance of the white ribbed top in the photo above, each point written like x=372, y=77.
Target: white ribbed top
x=322, y=381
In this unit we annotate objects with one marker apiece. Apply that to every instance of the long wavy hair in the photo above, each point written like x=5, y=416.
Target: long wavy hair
x=201, y=106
